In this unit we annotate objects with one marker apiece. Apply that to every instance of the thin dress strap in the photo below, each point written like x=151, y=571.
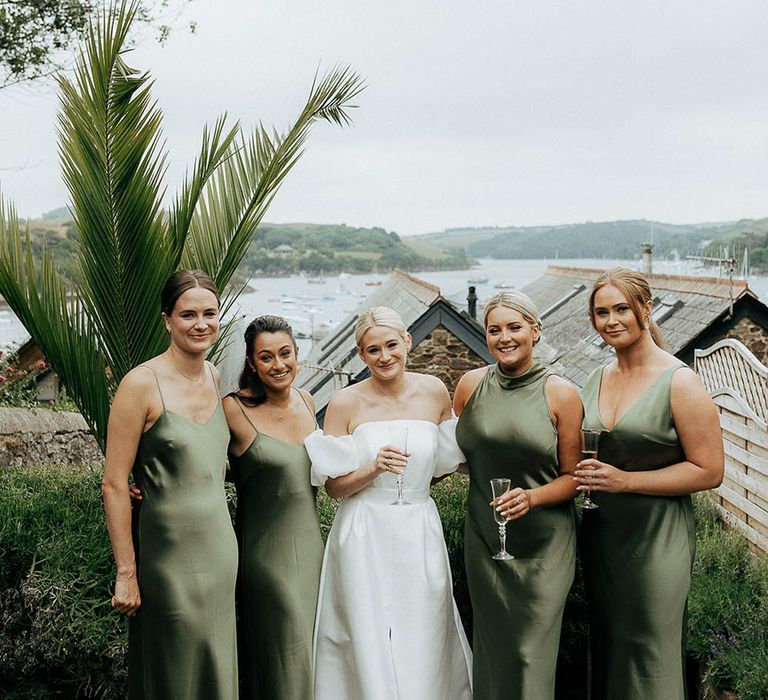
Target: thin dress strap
x=242, y=408
x=213, y=379
x=311, y=412
x=157, y=381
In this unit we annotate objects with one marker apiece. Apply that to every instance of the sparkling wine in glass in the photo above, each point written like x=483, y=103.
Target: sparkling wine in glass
x=589, y=442
x=499, y=487
x=398, y=438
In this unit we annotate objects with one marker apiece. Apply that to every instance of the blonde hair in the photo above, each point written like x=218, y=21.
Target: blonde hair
x=518, y=301
x=637, y=292
x=378, y=316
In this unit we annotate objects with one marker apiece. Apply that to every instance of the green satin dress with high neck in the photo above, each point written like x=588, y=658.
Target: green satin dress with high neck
x=506, y=430
x=182, y=642
x=281, y=553
x=637, y=554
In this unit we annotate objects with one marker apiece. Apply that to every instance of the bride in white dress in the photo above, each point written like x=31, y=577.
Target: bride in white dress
x=387, y=625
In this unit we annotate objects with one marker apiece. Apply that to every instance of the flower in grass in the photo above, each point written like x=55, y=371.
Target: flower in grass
x=2, y=377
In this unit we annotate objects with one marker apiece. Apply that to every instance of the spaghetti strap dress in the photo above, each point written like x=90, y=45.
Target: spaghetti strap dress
x=637, y=555
x=182, y=642
x=281, y=552
x=506, y=431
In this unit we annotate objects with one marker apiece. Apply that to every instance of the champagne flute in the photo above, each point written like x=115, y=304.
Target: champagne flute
x=589, y=441
x=398, y=438
x=499, y=487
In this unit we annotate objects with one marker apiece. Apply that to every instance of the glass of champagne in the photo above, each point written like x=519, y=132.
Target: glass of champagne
x=589, y=441
x=499, y=487
x=398, y=438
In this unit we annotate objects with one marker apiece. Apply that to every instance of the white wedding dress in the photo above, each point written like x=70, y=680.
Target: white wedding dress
x=387, y=626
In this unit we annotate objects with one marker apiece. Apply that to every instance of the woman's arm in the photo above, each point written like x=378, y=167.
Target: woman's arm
x=127, y=419
x=567, y=414
x=698, y=429
x=337, y=417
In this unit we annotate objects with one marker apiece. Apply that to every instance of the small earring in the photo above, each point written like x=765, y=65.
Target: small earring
x=647, y=323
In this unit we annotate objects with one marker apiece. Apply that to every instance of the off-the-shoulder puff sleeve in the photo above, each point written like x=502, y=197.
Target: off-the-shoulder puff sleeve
x=331, y=456
x=449, y=455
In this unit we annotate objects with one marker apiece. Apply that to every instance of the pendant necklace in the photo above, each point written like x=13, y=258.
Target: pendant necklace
x=278, y=408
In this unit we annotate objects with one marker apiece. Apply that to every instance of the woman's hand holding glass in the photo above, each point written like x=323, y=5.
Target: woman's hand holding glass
x=594, y=475
x=390, y=459
x=514, y=504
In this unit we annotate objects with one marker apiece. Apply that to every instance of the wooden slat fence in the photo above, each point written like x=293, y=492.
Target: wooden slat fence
x=738, y=383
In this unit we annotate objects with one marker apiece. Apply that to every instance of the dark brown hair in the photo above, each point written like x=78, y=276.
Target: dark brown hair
x=179, y=282
x=249, y=378
x=637, y=292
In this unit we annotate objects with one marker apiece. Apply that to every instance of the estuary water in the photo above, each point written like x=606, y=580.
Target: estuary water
x=314, y=306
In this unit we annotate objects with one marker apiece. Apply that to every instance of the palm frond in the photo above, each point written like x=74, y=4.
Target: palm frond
x=113, y=163
x=57, y=322
x=239, y=193
x=216, y=147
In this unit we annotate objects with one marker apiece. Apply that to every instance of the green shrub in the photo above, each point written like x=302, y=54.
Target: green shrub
x=17, y=386
x=728, y=609
x=58, y=630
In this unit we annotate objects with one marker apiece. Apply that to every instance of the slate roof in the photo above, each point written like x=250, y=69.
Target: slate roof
x=690, y=311
x=333, y=362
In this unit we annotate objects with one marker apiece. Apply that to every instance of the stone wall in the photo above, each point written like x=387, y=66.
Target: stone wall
x=36, y=436
x=443, y=355
x=755, y=337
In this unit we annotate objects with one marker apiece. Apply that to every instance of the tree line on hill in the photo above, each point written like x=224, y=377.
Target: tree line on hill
x=323, y=248
x=329, y=249
x=613, y=239
x=314, y=249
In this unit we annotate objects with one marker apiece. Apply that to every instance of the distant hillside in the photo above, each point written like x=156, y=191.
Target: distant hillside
x=327, y=248
x=57, y=234
x=614, y=239
x=60, y=214
x=312, y=248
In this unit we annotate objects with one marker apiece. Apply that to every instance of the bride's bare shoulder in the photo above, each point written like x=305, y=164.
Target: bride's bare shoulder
x=347, y=398
x=426, y=382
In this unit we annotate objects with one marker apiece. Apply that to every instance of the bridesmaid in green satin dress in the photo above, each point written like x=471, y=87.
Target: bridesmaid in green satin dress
x=660, y=441
x=177, y=565
x=281, y=550
x=518, y=420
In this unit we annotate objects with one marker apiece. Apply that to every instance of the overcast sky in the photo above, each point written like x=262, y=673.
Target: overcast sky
x=490, y=112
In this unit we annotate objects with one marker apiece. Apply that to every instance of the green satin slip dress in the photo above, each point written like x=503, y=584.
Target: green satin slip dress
x=506, y=430
x=183, y=642
x=637, y=555
x=281, y=553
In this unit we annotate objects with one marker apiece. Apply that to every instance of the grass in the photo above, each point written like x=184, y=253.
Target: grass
x=58, y=629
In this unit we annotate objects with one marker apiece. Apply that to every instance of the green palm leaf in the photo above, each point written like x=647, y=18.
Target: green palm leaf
x=113, y=163
x=240, y=192
x=238, y=195
x=58, y=324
